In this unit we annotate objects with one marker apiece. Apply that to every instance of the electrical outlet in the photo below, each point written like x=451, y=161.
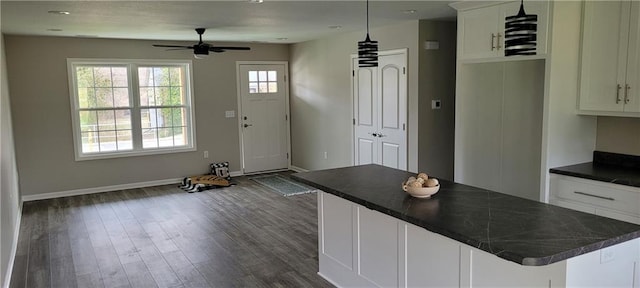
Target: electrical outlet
x=436, y=104
x=206, y=154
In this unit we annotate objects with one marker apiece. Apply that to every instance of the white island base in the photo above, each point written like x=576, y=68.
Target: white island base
x=359, y=247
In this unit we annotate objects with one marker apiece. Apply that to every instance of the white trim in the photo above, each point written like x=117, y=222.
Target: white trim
x=109, y=188
x=297, y=169
x=134, y=106
x=287, y=80
x=14, y=249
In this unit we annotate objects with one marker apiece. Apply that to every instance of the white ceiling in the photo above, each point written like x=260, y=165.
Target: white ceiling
x=233, y=20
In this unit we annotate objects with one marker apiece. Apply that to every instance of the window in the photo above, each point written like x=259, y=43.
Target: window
x=263, y=82
x=132, y=107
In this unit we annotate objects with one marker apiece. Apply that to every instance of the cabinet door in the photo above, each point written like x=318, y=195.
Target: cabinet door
x=336, y=229
x=377, y=248
x=540, y=8
x=431, y=260
x=633, y=64
x=604, y=54
x=478, y=33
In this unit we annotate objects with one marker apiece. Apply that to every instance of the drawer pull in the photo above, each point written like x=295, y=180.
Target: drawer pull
x=595, y=196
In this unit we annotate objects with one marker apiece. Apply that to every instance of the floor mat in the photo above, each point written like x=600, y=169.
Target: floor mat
x=282, y=185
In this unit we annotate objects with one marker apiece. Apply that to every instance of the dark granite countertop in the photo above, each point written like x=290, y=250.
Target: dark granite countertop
x=520, y=230
x=606, y=167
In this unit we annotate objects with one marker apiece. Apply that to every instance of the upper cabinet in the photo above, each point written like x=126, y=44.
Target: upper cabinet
x=482, y=29
x=610, y=60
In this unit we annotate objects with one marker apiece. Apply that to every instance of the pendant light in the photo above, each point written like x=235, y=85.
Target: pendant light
x=520, y=33
x=368, y=49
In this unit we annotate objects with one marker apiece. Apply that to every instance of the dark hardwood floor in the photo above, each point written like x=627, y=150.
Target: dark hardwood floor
x=241, y=236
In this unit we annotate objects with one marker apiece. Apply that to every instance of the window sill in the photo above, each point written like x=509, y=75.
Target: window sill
x=125, y=154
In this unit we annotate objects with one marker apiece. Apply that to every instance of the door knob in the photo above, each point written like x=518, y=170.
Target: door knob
x=247, y=125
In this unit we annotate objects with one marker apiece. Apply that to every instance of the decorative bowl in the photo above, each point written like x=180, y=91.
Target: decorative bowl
x=420, y=192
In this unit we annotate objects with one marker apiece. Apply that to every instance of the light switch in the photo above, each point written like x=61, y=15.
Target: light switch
x=230, y=114
x=431, y=45
x=435, y=104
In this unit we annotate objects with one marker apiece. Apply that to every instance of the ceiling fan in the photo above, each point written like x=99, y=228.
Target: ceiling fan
x=201, y=50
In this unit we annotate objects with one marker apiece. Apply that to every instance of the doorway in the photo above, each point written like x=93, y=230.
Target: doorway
x=263, y=101
x=380, y=111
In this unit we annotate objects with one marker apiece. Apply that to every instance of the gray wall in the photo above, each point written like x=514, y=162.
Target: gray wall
x=618, y=135
x=437, y=80
x=321, y=104
x=9, y=195
x=42, y=119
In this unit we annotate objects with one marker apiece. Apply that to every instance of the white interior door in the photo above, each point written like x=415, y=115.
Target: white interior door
x=380, y=111
x=263, y=117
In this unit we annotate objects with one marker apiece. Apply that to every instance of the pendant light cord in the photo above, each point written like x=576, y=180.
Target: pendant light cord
x=368, y=17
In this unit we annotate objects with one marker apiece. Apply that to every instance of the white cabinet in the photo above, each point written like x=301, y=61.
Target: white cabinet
x=609, y=200
x=377, y=248
x=481, y=30
x=610, y=63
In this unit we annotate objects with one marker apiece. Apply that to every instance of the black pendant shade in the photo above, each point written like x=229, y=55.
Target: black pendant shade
x=520, y=34
x=368, y=49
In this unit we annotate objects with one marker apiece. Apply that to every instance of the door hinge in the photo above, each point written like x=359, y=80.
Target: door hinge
x=354, y=121
x=287, y=155
x=404, y=70
x=353, y=73
x=286, y=117
x=403, y=126
x=285, y=78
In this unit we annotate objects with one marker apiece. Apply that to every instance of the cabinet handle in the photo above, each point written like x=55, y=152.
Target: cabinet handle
x=498, y=42
x=618, y=94
x=595, y=196
x=493, y=38
x=626, y=93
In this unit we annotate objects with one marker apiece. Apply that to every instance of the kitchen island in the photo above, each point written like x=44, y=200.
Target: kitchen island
x=371, y=233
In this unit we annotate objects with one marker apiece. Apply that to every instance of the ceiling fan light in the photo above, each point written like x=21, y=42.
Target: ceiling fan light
x=200, y=56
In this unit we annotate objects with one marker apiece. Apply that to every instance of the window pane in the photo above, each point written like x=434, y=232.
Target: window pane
x=273, y=75
x=164, y=117
x=149, y=138
x=273, y=87
x=106, y=121
x=162, y=96
x=148, y=118
x=165, y=137
x=253, y=87
x=121, y=97
x=108, y=141
x=123, y=119
x=145, y=95
x=84, y=76
x=104, y=98
x=119, y=76
x=178, y=117
x=88, y=121
x=175, y=76
x=161, y=76
x=253, y=76
x=145, y=77
x=262, y=76
x=90, y=142
x=102, y=76
x=125, y=141
x=175, y=97
x=179, y=134
x=263, y=87
x=86, y=98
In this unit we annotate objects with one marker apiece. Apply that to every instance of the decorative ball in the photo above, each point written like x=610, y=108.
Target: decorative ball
x=432, y=182
x=423, y=176
x=415, y=184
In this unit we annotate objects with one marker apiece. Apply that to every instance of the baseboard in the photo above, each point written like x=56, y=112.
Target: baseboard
x=236, y=173
x=14, y=249
x=85, y=191
x=297, y=169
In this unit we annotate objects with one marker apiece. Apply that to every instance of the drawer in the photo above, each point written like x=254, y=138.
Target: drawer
x=599, y=194
x=574, y=206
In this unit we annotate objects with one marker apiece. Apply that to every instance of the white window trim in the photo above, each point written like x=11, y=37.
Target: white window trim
x=132, y=65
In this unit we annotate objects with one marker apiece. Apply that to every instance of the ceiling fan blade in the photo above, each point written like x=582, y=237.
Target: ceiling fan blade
x=222, y=48
x=173, y=46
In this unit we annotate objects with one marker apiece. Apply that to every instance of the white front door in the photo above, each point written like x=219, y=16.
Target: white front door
x=263, y=117
x=380, y=111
